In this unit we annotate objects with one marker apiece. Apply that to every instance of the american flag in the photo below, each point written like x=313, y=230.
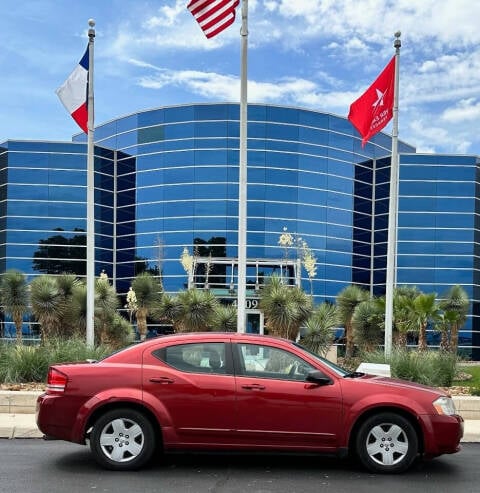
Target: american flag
x=213, y=16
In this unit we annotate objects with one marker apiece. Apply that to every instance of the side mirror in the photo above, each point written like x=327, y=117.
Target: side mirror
x=319, y=378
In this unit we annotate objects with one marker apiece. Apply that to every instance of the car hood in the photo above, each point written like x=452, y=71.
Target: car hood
x=401, y=384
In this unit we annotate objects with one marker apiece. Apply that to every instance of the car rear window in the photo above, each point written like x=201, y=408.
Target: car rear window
x=196, y=358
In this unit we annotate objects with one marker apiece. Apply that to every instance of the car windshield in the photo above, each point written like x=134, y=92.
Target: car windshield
x=337, y=369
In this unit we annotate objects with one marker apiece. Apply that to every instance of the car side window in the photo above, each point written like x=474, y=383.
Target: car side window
x=269, y=362
x=196, y=358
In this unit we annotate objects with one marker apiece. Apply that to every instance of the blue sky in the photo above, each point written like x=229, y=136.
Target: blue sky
x=317, y=54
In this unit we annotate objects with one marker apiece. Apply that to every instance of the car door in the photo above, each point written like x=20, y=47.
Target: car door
x=277, y=407
x=193, y=384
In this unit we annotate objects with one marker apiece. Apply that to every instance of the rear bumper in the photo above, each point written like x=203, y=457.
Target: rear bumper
x=442, y=434
x=56, y=417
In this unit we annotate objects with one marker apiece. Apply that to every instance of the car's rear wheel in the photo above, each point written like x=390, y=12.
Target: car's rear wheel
x=387, y=443
x=122, y=439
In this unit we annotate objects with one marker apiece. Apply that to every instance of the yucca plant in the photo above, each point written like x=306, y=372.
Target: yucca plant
x=286, y=308
x=225, y=318
x=48, y=305
x=318, y=330
x=14, y=298
x=148, y=292
x=198, y=309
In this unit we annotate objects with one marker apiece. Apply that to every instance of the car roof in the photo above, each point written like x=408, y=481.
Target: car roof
x=195, y=337
x=206, y=336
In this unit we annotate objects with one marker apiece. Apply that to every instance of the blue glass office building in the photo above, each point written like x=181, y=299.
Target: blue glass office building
x=167, y=179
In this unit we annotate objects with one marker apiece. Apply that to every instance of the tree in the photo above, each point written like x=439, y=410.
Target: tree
x=15, y=298
x=225, y=318
x=425, y=310
x=212, y=273
x=170, y=310
x=448, y=319
x=318, y=334
x=106, y=304
x=148, y=292
x=198, y=308
x=367, y=323
x=68, y=284
x=110, y=327
x=48, y=305
x=455, y=300
x=286, y=308
x=76, y=314
x=347, y=300
x=403, y=308
x=58, y=254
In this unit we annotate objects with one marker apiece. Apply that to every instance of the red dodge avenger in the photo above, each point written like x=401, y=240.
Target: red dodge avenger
x=240, y=392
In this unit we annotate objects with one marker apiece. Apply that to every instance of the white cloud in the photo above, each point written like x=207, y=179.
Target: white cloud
x=429, y=137
x=465, y=110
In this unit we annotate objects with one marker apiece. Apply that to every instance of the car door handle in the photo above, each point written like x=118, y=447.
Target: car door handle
x=253, y=386
x=161, y=380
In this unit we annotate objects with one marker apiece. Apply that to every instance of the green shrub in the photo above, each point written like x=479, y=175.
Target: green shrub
x=23, y=364
x=19, y=364
x=434, y=368
x=71, y=350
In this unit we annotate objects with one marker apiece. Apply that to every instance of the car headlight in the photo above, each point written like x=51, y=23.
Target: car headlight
x=444, y=405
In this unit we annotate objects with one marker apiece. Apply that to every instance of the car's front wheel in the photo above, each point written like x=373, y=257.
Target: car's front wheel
x=122, y=439
x=387, y=443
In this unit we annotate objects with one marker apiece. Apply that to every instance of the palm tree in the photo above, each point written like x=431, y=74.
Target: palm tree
x=15, y=298
x=425, y=310
x=347, y=300
x=286, y=308
x=318, y=332
x=403, y=297
x=48, y=304
x=198, y=308
x=149, y=293
x=448, y=319
x=456, y=300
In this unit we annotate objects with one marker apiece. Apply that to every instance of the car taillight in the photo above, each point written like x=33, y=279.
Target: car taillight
x=56, y=381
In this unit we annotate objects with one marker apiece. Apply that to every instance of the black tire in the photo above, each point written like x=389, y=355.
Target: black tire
x=122, y=440
x=386, y=443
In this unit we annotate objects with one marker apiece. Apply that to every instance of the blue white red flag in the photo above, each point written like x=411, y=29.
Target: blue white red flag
x=213, y=16
x=73, y=93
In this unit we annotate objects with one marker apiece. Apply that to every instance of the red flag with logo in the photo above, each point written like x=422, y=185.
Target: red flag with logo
x=213, y=15
x=374, y=108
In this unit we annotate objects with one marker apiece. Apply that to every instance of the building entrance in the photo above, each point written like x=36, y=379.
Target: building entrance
x=254, y=322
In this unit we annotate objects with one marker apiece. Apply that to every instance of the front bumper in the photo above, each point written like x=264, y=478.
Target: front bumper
x=442, y=434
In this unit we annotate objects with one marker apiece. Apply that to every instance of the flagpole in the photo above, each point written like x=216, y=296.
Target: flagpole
x=393, y=210
x=242, y=178
x=90, y=335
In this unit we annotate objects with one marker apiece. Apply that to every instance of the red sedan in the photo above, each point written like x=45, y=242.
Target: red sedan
x=216, y=391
